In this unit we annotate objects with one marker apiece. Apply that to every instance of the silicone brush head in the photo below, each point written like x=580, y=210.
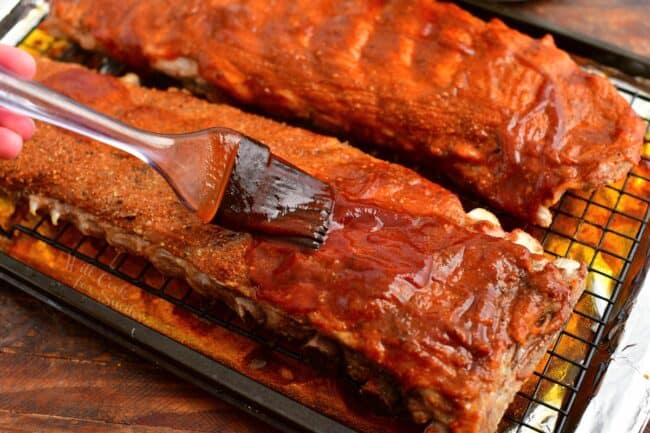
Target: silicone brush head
x=267, y=195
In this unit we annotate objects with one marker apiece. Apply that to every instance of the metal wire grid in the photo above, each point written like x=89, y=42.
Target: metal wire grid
x=604, y=229
x=585, y=227
x=141, y=273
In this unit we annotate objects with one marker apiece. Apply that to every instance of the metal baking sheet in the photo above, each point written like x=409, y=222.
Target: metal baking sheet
x=19, y=17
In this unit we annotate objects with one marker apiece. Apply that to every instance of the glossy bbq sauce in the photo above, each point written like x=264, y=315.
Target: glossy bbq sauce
x=430, y=301
x=269, y=196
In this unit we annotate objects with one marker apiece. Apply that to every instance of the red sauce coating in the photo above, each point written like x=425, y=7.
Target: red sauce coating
x=432, y=302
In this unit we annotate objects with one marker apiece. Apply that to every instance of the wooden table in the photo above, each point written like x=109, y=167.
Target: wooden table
x=56, y=376
x=622, y=23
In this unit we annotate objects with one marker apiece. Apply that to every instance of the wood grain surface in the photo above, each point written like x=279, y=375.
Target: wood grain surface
x=623, y=23
x=56, y=376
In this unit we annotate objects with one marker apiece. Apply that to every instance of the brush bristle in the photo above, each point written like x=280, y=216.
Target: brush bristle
x=269, y=196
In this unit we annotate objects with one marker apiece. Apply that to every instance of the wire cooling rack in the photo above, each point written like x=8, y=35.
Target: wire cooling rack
x=602, y=228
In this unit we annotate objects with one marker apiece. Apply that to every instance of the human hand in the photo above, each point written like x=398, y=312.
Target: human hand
x=14, y=128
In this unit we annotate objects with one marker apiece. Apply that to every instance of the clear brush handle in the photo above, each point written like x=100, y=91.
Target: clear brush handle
x=196, y=165
x=31, y=99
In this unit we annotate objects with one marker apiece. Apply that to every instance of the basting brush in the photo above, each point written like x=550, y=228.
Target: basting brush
x=224, y=176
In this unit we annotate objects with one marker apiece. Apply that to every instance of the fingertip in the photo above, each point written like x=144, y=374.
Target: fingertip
x=17, y=61
x=10, y=144
x=23, y=126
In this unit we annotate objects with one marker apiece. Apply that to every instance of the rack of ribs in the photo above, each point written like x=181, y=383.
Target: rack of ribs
x=510, y=118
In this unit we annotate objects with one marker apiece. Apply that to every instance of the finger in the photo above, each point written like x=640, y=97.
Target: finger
x=22, y=125
x=18, y=61
x=10, y=144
